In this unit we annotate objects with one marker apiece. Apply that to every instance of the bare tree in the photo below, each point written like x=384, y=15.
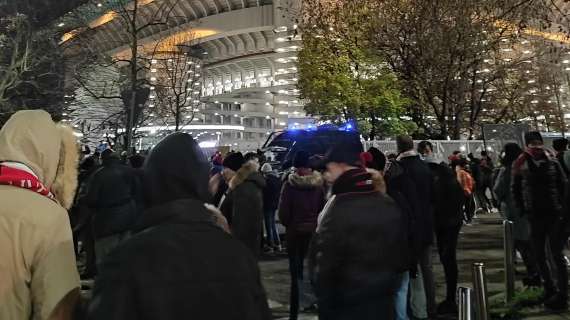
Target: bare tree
x=133, y=86
x=176, y=81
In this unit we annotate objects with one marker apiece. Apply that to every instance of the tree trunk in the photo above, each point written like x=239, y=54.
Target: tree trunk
x=133, y=78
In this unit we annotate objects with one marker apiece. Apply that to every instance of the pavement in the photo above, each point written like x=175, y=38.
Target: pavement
x=480, y=242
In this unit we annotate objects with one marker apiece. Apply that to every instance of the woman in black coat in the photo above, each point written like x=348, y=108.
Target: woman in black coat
x=182, y=263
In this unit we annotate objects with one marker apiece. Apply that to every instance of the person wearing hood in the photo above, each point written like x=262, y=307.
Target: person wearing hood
x=538, y=187
x=360, y=249
x=244, y=200
x=447, y=201
x=114, y=195
x=38, y=180
x=302, y=199
x=181, y=262
x=271, y=194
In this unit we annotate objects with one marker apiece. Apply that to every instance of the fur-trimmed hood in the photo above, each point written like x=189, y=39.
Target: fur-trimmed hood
x=248, y=172
x=310, y=181
x=32, y=138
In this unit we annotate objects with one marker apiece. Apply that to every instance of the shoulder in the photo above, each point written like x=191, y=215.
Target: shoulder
x=31, y=208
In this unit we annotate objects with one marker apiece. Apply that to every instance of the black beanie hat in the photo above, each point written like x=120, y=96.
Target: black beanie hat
x=532, y=136
x=234, y=161
x=560, y=144
x=301, y=159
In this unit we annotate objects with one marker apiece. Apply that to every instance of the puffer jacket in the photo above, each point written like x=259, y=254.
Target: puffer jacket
x=362, y=235
x=302, y=199
x=536, y=191
x=37, y=260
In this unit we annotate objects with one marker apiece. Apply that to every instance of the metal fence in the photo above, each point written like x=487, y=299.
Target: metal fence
x=443, y=148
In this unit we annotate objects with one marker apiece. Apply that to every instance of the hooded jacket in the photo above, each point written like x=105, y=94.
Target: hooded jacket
x=180, y=263
x=244, y=204
x=539, y=184
x=302, y=199
x=37, y=264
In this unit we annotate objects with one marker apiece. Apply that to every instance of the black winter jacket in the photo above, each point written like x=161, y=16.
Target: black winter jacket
x=114, y=194
x=362, y=236
x=271, y=192
x=179, y=265
x=448, y=197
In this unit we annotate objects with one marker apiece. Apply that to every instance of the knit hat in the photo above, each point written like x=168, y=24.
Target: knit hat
x=532, y=136
x=266, y=168
x=234, y=161
x=301, y=159
x=348, y=153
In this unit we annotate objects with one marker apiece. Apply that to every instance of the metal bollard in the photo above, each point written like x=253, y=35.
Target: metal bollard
x=508, y=245
x=480, y=288
x=464, y=303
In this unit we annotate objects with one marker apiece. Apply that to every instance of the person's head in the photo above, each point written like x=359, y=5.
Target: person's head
x=232, y=163
x=404, y=143
x=341, y=158
x=87, y=164
x=470, y=156
x=251, y=156
x=560, y=145
x=425, y=148
x=176, y=169
x=266, y=168
x=50, y=150
x=511, y=152
x=378, y=159
x=484, y=154
x=136, y=161
x=533, y=139
x=301, y=159
x=109, y=156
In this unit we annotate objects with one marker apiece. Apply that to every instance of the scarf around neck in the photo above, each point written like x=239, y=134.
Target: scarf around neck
x=18, y=175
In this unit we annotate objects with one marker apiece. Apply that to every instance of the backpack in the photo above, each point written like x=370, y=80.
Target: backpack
x=542, y=189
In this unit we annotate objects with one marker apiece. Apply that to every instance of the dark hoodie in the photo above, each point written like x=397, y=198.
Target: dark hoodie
x=539, y=183
x=181, y=263
x=302, y=199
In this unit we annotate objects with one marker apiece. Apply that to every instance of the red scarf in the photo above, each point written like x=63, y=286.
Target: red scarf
x=22, y=179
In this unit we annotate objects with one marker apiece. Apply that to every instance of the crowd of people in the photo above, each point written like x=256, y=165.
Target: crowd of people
x=175, y=233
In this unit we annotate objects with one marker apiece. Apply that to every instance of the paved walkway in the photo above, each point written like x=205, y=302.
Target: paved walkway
x=480, y=242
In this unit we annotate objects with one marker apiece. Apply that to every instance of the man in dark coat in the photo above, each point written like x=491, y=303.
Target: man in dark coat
x=244, y=200
x=271, y=194
x=360, y=249
x=182, y=263
x=539, y=188
x=413, y=192
x=447, y=201
x=302, y=199
x=114, y=195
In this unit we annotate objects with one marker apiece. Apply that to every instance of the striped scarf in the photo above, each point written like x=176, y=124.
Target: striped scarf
x=23, y=179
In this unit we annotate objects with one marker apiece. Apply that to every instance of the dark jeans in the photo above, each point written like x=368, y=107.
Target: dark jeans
x=426, y=266
x=550, y=229
x=297, y=247
x=528, y=257
x=271, y=228
x=447, y=247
